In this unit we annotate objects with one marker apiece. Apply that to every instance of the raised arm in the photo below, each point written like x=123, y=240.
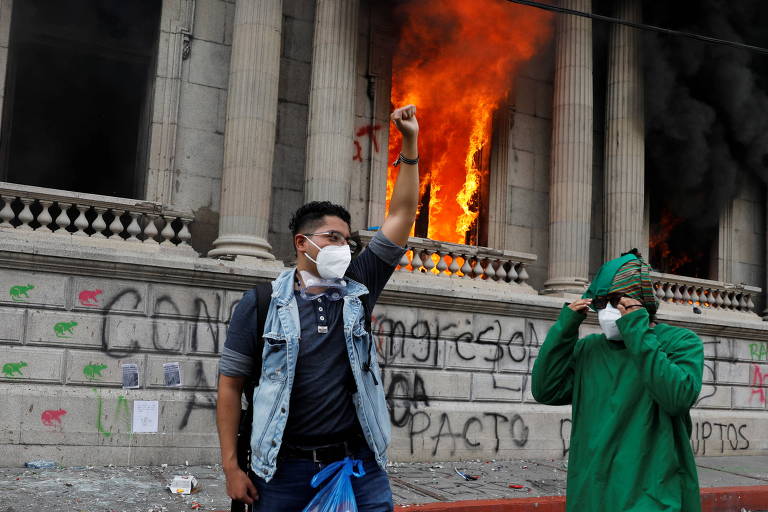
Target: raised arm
x=553, y=371
x=405, y=196
x=672, y=376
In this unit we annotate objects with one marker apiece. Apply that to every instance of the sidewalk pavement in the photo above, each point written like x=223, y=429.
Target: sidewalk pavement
x=728, y=483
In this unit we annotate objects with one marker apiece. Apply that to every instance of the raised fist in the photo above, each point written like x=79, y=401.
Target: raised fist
x=406, y=122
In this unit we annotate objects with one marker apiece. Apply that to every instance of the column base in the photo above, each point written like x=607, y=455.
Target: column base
x=568, y=287
x=241, y=245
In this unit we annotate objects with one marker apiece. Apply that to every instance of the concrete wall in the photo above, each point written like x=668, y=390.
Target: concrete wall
x=456, y=366
x=749, y=235
x=529, y=156
x=292, y=117
x=460, y=388
x=371, y=118
x=202, y=113
x=376, y=44
x=61, y=357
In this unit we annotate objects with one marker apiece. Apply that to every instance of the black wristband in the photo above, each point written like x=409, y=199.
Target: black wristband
x=409, y=161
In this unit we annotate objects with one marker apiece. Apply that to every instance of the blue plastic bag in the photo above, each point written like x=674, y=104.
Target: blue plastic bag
x=337, y=495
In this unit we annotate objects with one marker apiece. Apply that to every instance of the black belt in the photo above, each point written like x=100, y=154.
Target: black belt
x=323, y=454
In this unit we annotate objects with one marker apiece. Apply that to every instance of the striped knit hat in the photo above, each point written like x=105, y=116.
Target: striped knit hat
x=628, y=275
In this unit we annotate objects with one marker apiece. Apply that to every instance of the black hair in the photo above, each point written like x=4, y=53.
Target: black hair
x=311, y=214
x=633, y=251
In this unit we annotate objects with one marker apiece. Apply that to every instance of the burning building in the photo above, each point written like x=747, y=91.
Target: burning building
x=152, y=154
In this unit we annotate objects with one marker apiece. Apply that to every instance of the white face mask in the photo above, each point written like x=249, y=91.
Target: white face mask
x=332, y=260
x=607, y=318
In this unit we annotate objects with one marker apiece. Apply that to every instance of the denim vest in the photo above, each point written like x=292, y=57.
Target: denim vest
x=271, y=397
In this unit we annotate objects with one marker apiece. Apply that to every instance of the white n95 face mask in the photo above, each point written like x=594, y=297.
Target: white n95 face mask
x=332, y=260
x=607, y=318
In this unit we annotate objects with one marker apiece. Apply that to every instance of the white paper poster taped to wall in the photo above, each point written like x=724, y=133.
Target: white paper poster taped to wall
x=145, y=415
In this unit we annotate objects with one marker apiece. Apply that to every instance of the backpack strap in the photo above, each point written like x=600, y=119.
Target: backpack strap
x=365, y=299
x=263, y=300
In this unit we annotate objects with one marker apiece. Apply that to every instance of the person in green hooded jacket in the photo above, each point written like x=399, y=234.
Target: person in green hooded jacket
x=631, y=390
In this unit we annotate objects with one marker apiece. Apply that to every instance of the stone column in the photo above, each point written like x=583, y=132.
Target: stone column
x=6, y=8
x=624, y=138
x=332, y=102
x=570, y=193
x=249, y=137
x=498, y=217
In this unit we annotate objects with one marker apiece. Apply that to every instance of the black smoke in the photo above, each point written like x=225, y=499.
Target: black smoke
x=706, y=105
x=706, y=108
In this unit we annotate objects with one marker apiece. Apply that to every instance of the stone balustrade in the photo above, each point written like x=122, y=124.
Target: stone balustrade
x=443, y=259
x=705, y=294
x=62, y=213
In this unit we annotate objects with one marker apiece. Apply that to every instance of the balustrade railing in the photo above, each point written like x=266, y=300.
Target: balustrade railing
x=61, y=213
x=704, y=294
x=443, y=259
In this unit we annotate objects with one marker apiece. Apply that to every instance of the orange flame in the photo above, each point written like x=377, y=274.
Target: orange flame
x=455, y=61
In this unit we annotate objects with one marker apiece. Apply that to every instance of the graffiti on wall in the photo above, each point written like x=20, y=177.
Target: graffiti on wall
x=20, y=293
x=720, y=436
x=14, y=369
x=425, y=344
x=89, y=298
x=495, y=354
x=369, y=131
x=52, y=418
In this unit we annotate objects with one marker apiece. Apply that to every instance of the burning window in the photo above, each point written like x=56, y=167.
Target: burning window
x=456, y=61
x=679, y=245
x=77, y=105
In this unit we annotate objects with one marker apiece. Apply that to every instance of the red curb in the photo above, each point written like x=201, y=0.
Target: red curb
x=541, y=504
x=727, y=499
x=714, y=499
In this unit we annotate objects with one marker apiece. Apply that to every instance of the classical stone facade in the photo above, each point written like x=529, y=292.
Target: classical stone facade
x=258, y=105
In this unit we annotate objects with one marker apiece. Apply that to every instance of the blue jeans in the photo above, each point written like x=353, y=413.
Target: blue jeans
x=290, y=489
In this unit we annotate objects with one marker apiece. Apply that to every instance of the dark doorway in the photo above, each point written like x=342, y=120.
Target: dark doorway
x=680, y=244
x=79, y=87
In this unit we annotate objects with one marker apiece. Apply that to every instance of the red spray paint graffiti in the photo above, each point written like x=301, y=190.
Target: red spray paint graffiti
x=370, y=131
x=89, y=297
x=52, y=418
x=758, y=383
x=366, y=131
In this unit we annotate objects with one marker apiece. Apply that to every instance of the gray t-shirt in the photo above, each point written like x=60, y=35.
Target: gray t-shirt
x=321, y=408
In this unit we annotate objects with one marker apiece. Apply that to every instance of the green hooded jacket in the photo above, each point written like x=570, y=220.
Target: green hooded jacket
x=630, y=437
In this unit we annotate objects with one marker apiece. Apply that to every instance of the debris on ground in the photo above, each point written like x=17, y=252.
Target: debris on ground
x=466, y=476
x=183, y=484
x=40, y=464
